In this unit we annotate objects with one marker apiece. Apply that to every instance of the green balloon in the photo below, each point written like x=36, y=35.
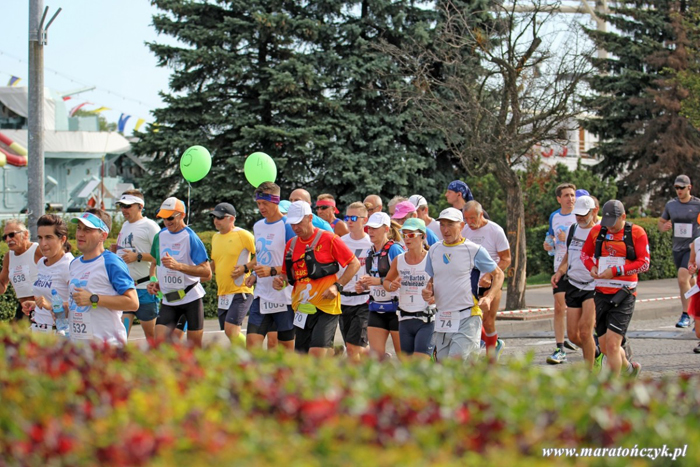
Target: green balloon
x=195, y=163
x=259, y=168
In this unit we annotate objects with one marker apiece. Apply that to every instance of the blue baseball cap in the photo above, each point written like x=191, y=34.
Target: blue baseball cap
x=92, y=221
x=582, y=192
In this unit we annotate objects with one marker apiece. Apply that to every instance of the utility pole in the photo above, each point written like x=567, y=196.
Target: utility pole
x=35, y=159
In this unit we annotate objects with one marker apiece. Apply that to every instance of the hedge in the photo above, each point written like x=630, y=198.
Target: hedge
x=65, y=404
x=537, y=261
x=660, y=248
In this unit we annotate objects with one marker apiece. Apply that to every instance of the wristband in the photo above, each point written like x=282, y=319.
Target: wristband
x=154, y=279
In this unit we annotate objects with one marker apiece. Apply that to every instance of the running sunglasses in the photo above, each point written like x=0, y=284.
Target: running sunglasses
x=125, y=206
x=9, y=234
x=353, y=218
x=322, y=208
x=173, y=217
x=680, y=187
x=411, y=234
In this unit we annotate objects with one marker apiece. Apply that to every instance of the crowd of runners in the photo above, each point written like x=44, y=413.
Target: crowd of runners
x=431, y=285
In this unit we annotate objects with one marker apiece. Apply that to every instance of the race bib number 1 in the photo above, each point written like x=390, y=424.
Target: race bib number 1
x=81, y=326
x=447, y=321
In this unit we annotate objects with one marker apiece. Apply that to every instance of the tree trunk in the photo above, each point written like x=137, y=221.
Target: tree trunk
x=515, y=217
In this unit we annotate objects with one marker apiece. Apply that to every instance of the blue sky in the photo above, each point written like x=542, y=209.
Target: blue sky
x=91, y=43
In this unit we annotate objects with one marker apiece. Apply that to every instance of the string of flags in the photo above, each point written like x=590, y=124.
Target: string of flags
x=123, y=118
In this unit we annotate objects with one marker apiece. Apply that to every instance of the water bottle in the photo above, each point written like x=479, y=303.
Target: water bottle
x=550, y=240
x=62, y=327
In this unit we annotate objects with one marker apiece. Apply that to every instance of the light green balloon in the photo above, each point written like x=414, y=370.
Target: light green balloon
x=259, y=168
x=195, y=163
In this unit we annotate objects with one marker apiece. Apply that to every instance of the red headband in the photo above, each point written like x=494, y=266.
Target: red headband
x=327, y=202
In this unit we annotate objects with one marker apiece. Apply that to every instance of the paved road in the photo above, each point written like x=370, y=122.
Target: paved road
x=658, y=345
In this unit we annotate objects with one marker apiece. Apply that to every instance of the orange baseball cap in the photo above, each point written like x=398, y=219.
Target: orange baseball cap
x=171, y=206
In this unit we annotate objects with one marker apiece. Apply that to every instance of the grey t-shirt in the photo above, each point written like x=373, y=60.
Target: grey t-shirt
x=685, y=221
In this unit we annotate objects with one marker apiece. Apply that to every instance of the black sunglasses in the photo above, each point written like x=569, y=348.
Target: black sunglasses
x=9, y=234
x=353, y=218
x=321, y=208
x=680, y=187
x=172, y=218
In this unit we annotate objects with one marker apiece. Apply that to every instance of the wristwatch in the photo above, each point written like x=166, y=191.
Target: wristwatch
x=338, y=286
x=94, y=298
x=273, y=271
x=139, y=257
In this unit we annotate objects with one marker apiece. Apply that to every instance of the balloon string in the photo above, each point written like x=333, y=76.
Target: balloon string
x=189, y=187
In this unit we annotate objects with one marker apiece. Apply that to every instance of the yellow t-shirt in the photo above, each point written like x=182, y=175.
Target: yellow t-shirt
x=225, y=250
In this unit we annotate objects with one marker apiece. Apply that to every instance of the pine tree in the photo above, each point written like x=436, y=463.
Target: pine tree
x=644, y=139
x=244, y=79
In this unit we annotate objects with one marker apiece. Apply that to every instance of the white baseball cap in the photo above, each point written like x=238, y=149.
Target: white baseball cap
x=297, y=211
x=379, y=219
x=418, y=201
x=583, y=205
x=451, y=214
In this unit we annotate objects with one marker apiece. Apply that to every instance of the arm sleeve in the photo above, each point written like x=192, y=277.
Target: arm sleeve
x=198, y=253
x=118, y=273
x=483, y=261
x=588, y=250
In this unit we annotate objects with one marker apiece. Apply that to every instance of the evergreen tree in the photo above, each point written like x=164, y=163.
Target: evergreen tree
x=644, y=139
x=245, y=79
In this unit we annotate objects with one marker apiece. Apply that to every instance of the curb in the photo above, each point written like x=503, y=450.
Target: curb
x=650, y=308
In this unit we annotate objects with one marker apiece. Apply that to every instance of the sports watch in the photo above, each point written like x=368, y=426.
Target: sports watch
x=94, y=298
x=338, y=286
x=139, y=257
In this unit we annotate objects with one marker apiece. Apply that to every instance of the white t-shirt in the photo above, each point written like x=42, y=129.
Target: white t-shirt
x=270, y=240
x=578, y=275
x=414, y=278
x=51, y=277
x=105, y=275
x=360, y=248
x=185, y=247
x=558, y=226
x=451, y=267
x=22, y=270
x=137, y=236
x=490, y=237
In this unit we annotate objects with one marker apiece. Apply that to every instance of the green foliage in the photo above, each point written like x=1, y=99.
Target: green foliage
x=636, y=100
x=66, y=404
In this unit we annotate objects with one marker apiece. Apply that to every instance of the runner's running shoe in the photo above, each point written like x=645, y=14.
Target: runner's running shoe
x=500, y=345
x=570, y=345
x=684, y=322
x=697, y=349
x=627, y=347
x=598, y=363
x=636, y=369
x=559, y=356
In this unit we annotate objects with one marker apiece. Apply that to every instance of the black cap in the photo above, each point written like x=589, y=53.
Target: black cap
x=612, y=211
x=222, y=210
